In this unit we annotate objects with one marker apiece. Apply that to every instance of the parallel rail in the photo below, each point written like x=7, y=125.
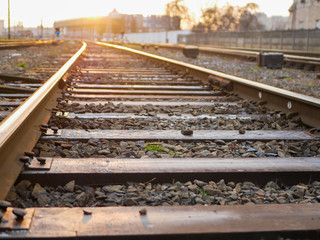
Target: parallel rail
x=289, y=57
x=21, y=129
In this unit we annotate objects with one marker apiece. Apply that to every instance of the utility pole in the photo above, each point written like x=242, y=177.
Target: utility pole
x=9, y=19
x=41, y=30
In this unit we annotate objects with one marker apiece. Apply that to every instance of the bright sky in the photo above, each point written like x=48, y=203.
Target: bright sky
x=30, y=12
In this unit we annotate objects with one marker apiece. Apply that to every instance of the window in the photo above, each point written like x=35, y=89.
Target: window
x=303, y=1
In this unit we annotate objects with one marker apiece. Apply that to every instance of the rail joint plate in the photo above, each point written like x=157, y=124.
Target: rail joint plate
x=10, y=222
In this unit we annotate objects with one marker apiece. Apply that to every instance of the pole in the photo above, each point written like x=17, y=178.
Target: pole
x=41, y=30
x=9, y=19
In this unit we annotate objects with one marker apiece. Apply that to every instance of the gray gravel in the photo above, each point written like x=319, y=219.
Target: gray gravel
x=164, y=149
x=154, y=123
x=46, y=56
x=196, y=192
x=301, y=81
x=243, y=107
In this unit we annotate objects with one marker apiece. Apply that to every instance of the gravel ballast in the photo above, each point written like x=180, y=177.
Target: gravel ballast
x=196, y=192
x=25, y=62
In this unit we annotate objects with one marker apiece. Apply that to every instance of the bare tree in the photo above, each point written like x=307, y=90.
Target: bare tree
x=178, y=8
x=210, y=18
x=248, y=20
x=230, y=18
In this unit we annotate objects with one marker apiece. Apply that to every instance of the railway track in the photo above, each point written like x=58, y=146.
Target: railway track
x=292, y=59
x=132, y=145
x=24, y=43
x=22, y=71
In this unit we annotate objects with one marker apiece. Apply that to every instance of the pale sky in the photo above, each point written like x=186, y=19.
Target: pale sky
x=30, y=12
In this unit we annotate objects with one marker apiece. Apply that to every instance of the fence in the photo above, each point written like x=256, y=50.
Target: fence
x=156, y=37
x=304, y=40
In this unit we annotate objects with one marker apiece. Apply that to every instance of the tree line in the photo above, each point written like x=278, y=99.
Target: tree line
x=214, y=18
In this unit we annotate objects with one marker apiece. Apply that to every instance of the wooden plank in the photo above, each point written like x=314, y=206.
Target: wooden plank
x=199, y=135
x=10, y=104
x=156, y=96
x=143, y=92
x=127, y=70
x=101, y=171
x=162, y=103
x=160, y=116
x=175, y=82
x=33, y=85
x=11, y=78
x=171, y=222
x=140, y=87
x=120, y=71
x=178, y=165
x=11, y=89
x=12, y=95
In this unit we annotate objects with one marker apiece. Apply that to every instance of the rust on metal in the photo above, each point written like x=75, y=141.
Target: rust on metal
x=36, y=165
x=200, y=135
x=221, y=82
x=10, y=221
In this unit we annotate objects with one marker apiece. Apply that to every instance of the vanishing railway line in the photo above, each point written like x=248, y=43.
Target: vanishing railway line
x=132, y=145
x=292, y=59
x=22, y=44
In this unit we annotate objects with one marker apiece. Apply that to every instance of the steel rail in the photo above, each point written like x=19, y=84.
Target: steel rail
x=288, y=57
x=21, y=129
x=284, y=51
x=254, y=53
x=276, y=98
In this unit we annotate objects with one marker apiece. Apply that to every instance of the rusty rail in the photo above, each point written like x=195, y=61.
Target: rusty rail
x=21, y=129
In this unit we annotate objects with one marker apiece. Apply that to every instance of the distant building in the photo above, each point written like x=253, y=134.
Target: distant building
x=117, y=24
x=273, y=22
x=304, y=14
